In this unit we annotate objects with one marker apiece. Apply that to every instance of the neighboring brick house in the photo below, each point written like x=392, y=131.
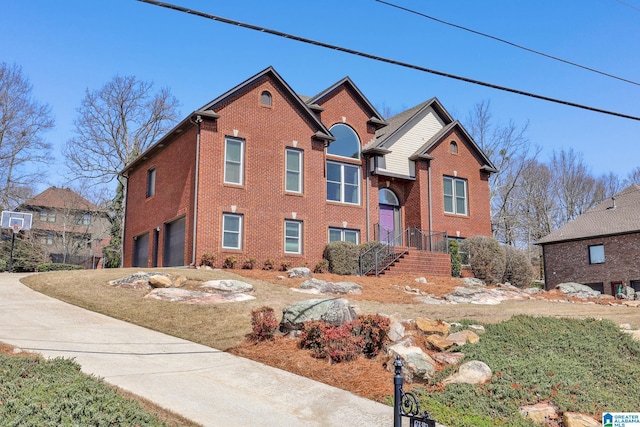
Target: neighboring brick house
x=261, y=172
x=71, y=229
x=600, y=248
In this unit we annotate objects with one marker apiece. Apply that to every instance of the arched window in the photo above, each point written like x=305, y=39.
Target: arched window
x=265, y=99
x=347, y=143
x=387, y=197
x=453, y=147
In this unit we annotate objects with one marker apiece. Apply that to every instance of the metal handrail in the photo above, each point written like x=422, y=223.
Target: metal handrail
x=376, y=259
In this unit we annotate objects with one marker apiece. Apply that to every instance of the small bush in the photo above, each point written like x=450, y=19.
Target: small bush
x=249, y=263
x=285, y=265
x=456, y=259
x=3, y=265
x=229, y=262
x=518, y=270
x=321, y=267
x=208, y=260
x=342, y=257
x=263, y=324
x=58, y=267
x=374, y=330
x=313, y=337
x=268, y=265
x=341, y=343
x=487, y=259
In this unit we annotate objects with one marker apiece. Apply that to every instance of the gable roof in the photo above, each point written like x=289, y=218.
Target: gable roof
x=401, y=122
x=208, y=111
x=618, y=215
x=375, y=119
x=61, y=198
x=422, y=152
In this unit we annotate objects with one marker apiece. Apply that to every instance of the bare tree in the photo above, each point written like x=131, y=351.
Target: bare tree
x=575, y=187
x=510, y=151
x=23, y=120
x=115, y=124
x=634, y=176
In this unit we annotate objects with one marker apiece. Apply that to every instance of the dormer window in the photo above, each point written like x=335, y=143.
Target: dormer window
x=265, y=99
x=453, y=147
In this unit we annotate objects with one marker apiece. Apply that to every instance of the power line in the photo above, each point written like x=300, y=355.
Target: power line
x=489, y=36
x=385, y=60
x=628, y=5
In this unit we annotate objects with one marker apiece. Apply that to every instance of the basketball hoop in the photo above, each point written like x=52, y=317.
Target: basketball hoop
x=16, y=228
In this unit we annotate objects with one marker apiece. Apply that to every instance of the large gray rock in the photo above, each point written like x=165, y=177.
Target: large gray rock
x=232, y=286
x=335, y=311
x=473, y=372
x=578, y=290
x=324, y=287
x=416, y=363
x=299, y=272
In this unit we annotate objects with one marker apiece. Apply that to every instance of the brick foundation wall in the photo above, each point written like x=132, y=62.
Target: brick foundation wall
x=569, y=262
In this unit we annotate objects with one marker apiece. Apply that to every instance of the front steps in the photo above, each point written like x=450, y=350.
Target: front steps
x=417, y=263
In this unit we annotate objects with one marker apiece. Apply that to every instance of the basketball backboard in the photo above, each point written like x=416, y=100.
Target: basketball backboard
x=21, y=219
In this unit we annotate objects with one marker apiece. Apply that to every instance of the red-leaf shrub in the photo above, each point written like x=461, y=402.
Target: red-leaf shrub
x=263, y=323
x=374, y=331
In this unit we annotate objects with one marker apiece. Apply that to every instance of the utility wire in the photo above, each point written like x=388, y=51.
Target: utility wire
x=386, y=60
x=629, y=5
x=489, y=36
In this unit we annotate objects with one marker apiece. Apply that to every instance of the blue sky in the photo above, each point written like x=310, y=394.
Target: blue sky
x=67, y=46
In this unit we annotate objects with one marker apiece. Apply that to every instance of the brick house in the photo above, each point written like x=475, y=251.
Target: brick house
x=600, y=248
x=261, y=172
x=71, y=229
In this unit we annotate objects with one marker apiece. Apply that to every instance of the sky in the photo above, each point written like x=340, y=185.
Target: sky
x=67, y=47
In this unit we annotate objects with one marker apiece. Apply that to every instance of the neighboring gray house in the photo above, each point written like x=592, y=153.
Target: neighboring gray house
x=600, y=248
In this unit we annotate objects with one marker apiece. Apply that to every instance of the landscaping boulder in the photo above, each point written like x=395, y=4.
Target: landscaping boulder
x=299, y=272
x=324, y=287
x=430, y=327
x=231, y=286
x=463, y=337
x=335, y=311
x=160, y=281
x=416, y=363
x=138, y=280
x=473, y=372
x=543, y=413
x=574, y=419
x=438, y=342
x=447, y=358
x=578, y=290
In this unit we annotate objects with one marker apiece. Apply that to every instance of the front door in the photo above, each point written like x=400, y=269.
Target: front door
x=387, y=223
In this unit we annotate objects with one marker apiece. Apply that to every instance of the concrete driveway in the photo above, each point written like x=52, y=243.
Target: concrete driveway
x=203, y=384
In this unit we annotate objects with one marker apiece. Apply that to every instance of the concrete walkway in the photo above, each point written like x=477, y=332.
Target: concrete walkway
x=201, y=383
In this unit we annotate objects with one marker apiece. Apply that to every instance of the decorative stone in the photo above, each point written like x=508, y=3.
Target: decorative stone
x=396, y=331
x=578, y=290
x=416, y=363
x=231, y=286
x=438, y=342
x=473, y=372
x=422, y=280
x=429, y=300
x=541, y=413
x=463, y=337
x=478, y=328
x=430, y=327
x=195, y=297
x=447, y=358
x=160, y=281
x=335, y=311
x=324, y=287
x=179, y=282
x=299, y=272
x=574, y=419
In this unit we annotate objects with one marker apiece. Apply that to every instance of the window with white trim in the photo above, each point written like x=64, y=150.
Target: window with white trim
x=455, y=195
x=343, y=183
x=233, y=161
x=596, y=254
x=292, y=237
x=344, y=235
x=293, y=178
x=231, y=231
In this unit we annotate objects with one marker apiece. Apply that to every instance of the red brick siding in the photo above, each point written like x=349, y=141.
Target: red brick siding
x=465, y=165
x=569, y=261
x=174, y=165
